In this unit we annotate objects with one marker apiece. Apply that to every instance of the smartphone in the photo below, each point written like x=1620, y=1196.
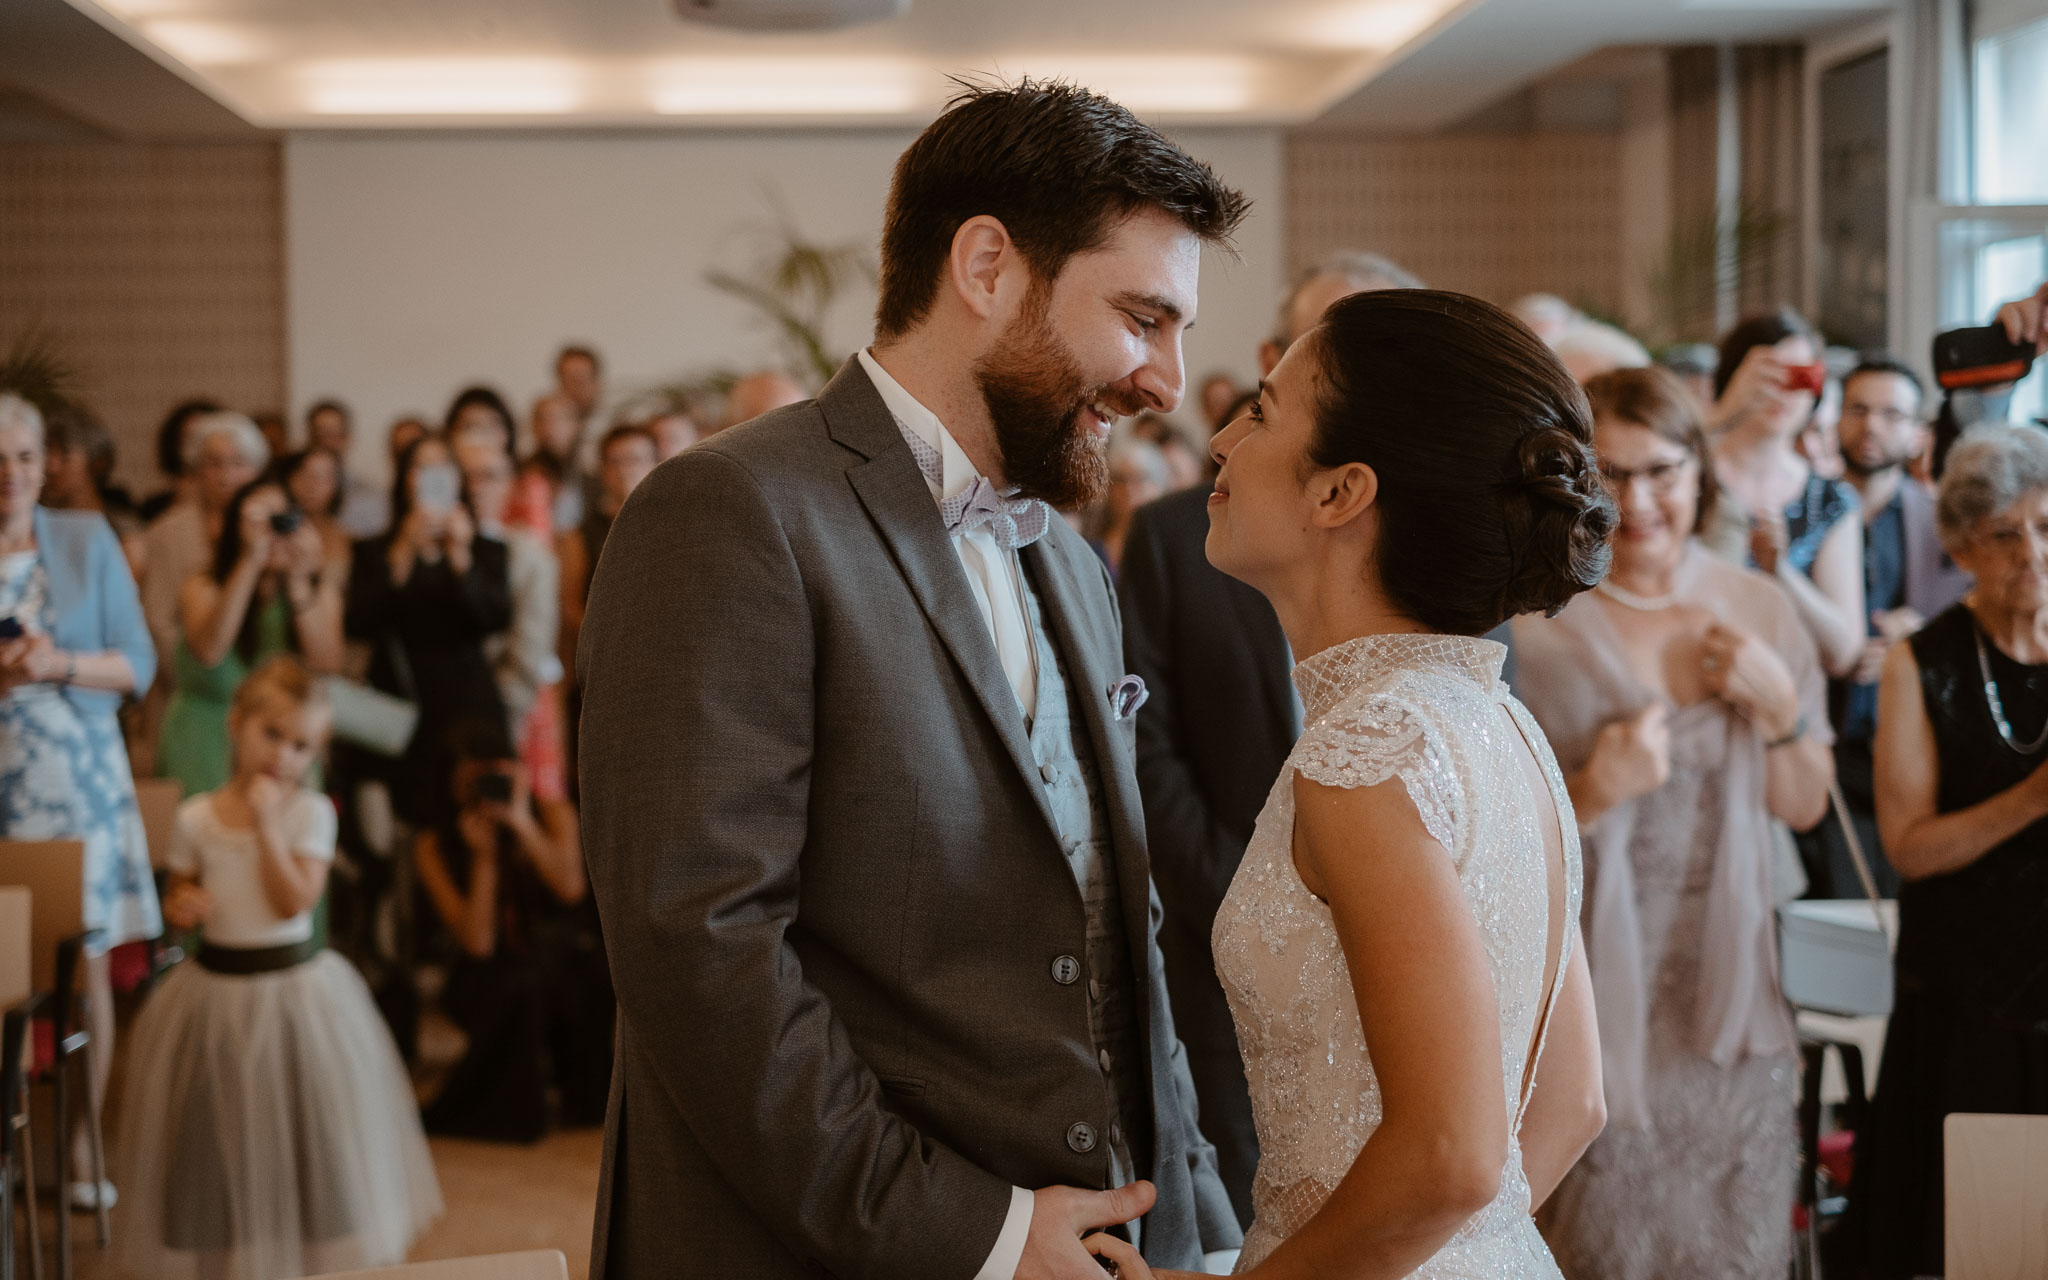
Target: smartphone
x=10, y=629
x=437, y=488
x=1982, y=357
x=1807, y=377
x=286, y=522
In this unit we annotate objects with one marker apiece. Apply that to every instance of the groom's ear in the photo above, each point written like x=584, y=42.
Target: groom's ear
x=1343, y=494
x=984, y=268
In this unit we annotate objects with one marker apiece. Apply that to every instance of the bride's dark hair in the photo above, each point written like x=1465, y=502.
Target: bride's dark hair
x=1490, y=502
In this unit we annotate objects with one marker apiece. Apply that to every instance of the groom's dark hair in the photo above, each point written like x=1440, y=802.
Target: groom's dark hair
x=1057, y=165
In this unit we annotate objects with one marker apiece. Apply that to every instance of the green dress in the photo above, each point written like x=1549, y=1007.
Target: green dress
x=193, y=744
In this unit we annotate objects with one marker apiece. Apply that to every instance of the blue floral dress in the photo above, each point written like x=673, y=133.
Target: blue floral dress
x=64, y=776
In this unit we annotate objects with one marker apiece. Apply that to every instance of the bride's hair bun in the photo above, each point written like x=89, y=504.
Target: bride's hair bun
x=1490, y=502
x=1560, y=523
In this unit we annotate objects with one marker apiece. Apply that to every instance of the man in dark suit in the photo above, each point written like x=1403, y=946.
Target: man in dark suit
x=1213, y=736
x=857, y=768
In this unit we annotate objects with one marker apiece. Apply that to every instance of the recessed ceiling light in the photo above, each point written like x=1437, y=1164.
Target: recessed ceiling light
x=1376, y=24
x=207, y=44
x=791, y=15
x=1163, y=83
x=786, y=86
x=442, y=87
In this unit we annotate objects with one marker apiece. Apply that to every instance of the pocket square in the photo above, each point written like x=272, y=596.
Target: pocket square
x=1126, y=696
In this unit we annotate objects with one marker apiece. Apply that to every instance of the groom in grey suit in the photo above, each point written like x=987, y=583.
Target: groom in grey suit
x=857, y=761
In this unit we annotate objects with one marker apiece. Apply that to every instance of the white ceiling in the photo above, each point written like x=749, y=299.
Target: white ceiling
x=301, y=64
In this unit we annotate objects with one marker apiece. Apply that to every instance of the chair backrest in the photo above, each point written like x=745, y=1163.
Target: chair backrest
x=15, y=946
x=53, y=871
x=537, y=1264
x=159, y=798
x=1996, y=1171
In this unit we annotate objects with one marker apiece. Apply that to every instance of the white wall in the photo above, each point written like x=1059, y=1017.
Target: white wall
x=416, y=265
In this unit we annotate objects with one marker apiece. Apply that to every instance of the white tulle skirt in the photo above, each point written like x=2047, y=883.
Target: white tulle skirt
x=267, y=1130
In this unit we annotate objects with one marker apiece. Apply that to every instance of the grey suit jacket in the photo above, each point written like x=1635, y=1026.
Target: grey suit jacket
x=831, y=891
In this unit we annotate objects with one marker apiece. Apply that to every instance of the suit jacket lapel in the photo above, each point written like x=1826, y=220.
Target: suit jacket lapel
x=900, y=503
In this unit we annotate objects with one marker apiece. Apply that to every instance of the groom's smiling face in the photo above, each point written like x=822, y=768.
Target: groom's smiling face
x=1100, y=341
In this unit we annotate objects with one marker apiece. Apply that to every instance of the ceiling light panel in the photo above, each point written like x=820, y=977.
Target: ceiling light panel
x=1152, y=84
x=1369, y=24
x=208, y=44
x=794, y=86
x=442, y=87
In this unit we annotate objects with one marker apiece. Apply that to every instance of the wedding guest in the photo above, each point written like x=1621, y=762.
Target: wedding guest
x=425, y=597
x=523, y=656
x=1688, y=711
x=1219, y=392
x=312, y=478
x=1138, y=474
x=759, y=392
x=404, y=433
x=1588, y=348
x=78, y=470
x=273, y=588
x=364, y=509
x=674, y=432
x=504, y=872
x=579, y=378
x=1962, y=801
x=1777, y=513
x=170, y=455
x=76, y=644
x=223, y=452
x=277, y=433
x=1339, y=275
x=551, y=477
x=270, y=1128
x=1907, y=579
x=625, y=457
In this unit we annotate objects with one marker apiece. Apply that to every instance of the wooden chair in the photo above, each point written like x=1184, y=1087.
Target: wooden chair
x=158, y=799
x=53, y=871
x=17, y=1009
x=537, y=1264
x=1995, y=1170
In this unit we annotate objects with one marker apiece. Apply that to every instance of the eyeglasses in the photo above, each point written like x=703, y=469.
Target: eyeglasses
x=1664, y=477
x=1886, y=417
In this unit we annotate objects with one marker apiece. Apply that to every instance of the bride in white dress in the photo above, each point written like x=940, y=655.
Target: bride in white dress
x=1400, y=946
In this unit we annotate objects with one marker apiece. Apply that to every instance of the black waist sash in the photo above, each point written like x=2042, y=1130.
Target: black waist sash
x=243, y=961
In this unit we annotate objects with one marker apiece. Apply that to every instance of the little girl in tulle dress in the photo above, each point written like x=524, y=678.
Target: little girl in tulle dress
x=268, y=1128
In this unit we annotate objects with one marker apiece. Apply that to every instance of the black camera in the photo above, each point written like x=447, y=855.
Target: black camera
x=492, y=788
x=286, y=522
x=1975, y=369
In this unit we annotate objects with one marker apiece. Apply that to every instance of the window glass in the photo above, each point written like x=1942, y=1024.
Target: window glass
x=2011, y=143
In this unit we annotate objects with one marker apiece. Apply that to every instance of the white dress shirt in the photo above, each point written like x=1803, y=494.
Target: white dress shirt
x=993, y=570
x=997, y=579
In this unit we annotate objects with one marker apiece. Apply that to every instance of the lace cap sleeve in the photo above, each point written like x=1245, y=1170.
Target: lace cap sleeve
x=1383, y=737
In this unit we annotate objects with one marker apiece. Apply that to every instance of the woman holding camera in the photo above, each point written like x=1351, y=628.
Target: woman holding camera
x=269, y=590
x=1962, y=804
x=424, y=598
x=529, y=987
x=1778, y=514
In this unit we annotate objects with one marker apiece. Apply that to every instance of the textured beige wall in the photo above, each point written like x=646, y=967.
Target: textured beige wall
x=1493, y=215
x=160, y=270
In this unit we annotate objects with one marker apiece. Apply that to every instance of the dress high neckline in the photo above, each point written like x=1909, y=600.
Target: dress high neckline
x=1329, y=677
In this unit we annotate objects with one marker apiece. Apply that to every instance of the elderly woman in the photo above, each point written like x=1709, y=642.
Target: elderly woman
x=1687, y=708
x=72, y=642
x=1138, y=474
x=1962, y=804
x=223, y=451
x=1779, y=514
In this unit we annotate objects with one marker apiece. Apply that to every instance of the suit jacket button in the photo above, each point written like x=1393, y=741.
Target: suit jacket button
x=1081, y=1138
x=1066, y=971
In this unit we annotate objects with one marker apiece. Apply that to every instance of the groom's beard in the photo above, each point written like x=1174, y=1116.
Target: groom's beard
x=1037, y=402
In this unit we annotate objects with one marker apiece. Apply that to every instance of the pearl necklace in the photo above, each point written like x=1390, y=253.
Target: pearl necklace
x=1997, y=705
x=1630, y=600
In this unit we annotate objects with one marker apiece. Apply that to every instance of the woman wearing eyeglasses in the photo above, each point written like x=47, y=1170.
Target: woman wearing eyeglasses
x=1962, y=803
x=1686, y=704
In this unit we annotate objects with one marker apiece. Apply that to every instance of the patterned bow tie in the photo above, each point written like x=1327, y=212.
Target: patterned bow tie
x=1013, y=522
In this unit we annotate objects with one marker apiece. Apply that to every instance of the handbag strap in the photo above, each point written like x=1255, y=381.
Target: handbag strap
x=1856, y=856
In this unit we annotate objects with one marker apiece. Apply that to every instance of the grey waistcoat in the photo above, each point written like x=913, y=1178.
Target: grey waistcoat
x=1067, y=766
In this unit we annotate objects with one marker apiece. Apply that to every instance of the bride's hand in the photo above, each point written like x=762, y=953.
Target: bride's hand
x=1119, y=1259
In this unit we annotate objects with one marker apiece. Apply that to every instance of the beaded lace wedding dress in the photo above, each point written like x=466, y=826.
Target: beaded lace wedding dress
x=1432, y=711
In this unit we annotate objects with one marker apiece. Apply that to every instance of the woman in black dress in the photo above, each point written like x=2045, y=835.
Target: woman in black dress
x=1962, y=803
x=424, y=597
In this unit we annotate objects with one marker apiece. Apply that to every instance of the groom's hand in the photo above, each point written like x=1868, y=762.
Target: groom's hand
x=1060, y=1216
